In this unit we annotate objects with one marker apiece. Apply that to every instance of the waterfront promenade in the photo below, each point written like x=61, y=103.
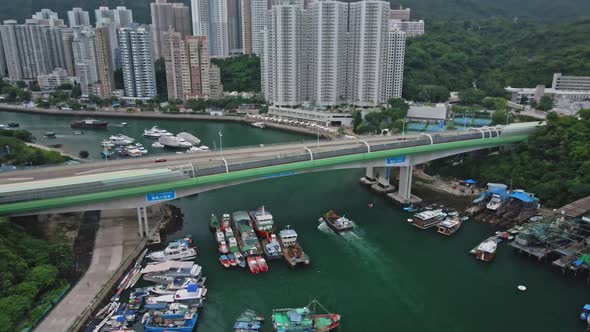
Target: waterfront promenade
x=116, y=240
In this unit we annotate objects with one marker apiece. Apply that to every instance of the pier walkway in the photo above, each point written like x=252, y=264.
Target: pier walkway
x=116, y=241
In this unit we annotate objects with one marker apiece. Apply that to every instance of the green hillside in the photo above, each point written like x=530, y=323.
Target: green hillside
x=550, y=10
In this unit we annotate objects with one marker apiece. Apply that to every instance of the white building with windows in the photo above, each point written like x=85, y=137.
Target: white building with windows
x=282, y=59
x=53, y=80
x=137, y=60
x=78, y=17
x=210, y=19
x=327, y=73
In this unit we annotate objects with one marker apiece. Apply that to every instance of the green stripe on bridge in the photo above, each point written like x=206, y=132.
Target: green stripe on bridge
x=60, y=202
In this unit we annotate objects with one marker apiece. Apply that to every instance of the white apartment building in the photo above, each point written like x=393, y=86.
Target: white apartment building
x=137, y=60
x=332, y=53
x=78, y=17
x=327, y=73
x=367, y=52
x=411, y=28
x=394, y=79
x=254, y=16
x=84, y=48
x=210, y=19
x=283, y=56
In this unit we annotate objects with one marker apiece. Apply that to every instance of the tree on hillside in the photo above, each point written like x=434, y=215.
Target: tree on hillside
x=471, y=96
x=545, y=104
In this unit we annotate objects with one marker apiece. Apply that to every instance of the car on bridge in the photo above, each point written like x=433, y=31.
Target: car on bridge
x=160, y=160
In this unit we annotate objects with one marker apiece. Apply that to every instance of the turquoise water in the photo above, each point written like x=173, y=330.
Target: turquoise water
x=387, y=276
x=233, y=134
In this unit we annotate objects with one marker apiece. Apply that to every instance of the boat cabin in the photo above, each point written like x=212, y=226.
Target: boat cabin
x=288, y=237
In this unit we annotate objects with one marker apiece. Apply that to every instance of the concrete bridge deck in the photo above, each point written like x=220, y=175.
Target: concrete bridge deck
x=54, y=184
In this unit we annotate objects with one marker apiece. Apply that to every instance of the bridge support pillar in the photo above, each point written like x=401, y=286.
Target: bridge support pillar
x=383, y=185
x=405, y=182
x=404, y=193
x=145, y=219
x=139, y=223
x=369, y=178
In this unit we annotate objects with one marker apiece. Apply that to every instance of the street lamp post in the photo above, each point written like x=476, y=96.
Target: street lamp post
x=220, y=143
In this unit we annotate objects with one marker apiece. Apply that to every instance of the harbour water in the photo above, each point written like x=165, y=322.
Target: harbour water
x=233, y=134
x=386, y=276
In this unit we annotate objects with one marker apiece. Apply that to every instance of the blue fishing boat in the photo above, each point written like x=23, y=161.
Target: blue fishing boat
x=172, y=322
x=411, y=208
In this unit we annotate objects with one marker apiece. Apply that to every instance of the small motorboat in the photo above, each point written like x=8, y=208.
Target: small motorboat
x=411, y=208
x=224, y=261
x=261, y=264
x=240, y=259
x=204, y=148
x=232, y=260
x=50, y=134
x=585, y=312
x=253, y=265
x=158, y=145
x=223, y=247
x=124, y=124
x=77, y=132
x=12, y=124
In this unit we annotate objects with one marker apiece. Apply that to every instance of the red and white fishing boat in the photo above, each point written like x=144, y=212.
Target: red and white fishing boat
x=224, y=260
x=253, y=265
x=261, y=264
x=223, y=248
x=225, y=222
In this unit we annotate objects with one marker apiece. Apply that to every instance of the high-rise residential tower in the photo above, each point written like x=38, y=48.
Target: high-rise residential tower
x=211, y=18
x=123, y=16
x=342, y=53
x=327, y=71
x=165, y=16
x=234, y=27
x=104, y=63
x=78, y=17
x=254, y=15
x=137, y=61
x=189, y=72
x=84, y=48
x=48, y=17
x=283, y=57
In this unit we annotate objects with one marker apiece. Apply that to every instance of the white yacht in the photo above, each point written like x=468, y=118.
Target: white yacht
x=260, y=125
x=177, y=250
x=133, y=151
x=107, y=144
x=121, y=139
x=166, y=272
x=173, y=287
x=204, y=147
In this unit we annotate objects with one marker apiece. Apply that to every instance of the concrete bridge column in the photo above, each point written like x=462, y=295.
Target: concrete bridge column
x=405, y=182
x=139, y=222
x=383, y=185
x=145, y=219
x=369, y=178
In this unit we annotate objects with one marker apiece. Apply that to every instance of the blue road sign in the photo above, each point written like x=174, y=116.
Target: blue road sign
x=160, y=196
x=395, y=160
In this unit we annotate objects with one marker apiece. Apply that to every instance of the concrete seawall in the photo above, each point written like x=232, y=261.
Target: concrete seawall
x=158, y=115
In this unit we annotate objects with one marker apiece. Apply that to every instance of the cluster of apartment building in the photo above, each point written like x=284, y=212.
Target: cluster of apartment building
x=325, y=52
x=332, y=53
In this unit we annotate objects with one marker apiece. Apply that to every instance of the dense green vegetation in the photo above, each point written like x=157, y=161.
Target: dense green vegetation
x=389, y=117
x=554, y=164
x=492, y=54
x=241, y=73
x=15, y=152
x=32, y=273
